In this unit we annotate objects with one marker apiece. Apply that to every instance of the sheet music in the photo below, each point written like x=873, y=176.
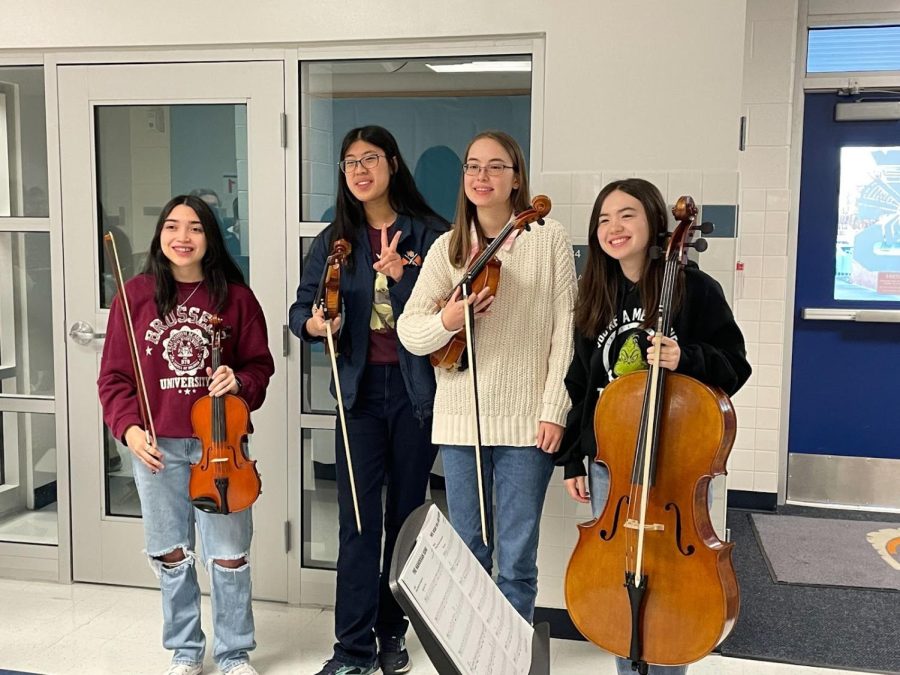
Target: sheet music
x=476, y=625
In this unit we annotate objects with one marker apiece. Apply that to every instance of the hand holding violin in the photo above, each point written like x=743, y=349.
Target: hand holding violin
x=222, y=382
x=389, y=261
x=453, y=317
x=315, y=325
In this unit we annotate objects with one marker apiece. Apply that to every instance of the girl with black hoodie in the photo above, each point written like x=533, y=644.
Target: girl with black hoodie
x=615, y=310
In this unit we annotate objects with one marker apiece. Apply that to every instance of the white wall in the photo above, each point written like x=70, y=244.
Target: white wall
x=762, y=289
x=634, y=85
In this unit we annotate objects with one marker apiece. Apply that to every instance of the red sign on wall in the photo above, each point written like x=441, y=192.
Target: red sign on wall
x=889, y=283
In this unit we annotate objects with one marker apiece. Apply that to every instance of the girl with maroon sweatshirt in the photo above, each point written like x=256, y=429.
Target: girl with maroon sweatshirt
x=188, y=277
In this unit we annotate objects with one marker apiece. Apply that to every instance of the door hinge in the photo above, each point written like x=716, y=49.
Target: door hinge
x=284, y=130
x=742, y=136
x=287, y=536
x=285, y=340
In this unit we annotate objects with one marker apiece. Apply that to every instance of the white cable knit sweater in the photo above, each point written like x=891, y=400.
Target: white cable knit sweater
x=523, y=347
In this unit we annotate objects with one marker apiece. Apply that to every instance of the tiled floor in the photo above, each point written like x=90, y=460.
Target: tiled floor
x=92, y=630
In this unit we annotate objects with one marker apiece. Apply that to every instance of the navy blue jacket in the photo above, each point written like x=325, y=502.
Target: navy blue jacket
x=357, y=292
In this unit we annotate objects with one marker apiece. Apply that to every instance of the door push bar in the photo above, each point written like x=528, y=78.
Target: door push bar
x=859, y=315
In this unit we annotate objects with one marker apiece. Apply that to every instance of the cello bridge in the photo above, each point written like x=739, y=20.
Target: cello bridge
x=632, y=524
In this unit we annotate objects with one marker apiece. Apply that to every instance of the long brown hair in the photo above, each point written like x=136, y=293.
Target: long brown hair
x=603, y=284
x=466, y=213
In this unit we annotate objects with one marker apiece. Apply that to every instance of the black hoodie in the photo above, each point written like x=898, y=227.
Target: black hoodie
x=712, y=351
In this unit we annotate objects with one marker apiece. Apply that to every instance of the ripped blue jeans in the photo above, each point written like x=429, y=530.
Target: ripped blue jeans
x=169, y=519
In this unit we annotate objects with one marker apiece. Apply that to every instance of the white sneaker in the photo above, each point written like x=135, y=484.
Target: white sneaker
x=243, y=668
x=185, y=669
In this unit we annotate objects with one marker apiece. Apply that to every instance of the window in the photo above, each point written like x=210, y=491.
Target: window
x=433, y=107
x=859, y=49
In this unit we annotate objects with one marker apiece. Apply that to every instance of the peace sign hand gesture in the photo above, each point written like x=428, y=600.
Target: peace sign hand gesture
x=389, y=261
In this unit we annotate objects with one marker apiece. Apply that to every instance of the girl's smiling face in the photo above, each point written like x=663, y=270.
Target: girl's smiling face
x=183, y=242
x=623, y=231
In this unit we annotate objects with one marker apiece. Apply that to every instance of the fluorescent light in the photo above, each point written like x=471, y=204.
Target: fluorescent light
x=482, y=67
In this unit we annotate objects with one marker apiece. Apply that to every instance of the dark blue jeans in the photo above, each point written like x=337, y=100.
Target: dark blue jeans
x=388, y=446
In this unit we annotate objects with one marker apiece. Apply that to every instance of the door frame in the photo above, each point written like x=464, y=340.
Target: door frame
x=264, y=247
x=810, y=83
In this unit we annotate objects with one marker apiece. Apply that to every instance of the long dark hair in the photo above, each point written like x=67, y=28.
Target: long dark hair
x=603, y=284
x=466, y=213
x=219, y=269
x=404, y=196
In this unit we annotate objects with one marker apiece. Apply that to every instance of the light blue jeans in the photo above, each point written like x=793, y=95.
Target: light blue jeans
x=169, y=519
x=598, y=485
x=520, y=476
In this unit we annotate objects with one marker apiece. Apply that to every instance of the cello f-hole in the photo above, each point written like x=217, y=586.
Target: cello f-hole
x=623, y=500
x=690, y=547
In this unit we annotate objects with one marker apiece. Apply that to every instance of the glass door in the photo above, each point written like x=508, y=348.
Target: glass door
x=132, y=136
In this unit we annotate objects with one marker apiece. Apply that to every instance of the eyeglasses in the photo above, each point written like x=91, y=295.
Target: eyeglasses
x=352, y=165
x=492, y=169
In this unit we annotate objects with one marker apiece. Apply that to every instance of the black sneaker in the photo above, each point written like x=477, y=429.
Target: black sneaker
x=335, y=666
x=392, y=655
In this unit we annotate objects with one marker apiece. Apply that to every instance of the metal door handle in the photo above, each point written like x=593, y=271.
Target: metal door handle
x=83, y=333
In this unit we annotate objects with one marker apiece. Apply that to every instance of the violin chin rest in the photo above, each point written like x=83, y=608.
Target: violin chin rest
x=206, y=504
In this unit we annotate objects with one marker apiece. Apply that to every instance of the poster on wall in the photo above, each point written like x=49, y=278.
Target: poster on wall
x=867, y=248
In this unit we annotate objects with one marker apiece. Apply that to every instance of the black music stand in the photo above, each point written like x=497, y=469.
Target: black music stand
x=406, y=540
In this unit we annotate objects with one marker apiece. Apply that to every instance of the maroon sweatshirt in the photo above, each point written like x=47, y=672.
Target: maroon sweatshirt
x=174, y=354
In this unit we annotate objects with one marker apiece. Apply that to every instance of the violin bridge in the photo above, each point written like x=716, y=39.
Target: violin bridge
x=219, y=459
x=632, y=524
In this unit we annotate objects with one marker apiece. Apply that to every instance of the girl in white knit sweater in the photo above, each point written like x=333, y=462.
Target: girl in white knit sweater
x=523, y=346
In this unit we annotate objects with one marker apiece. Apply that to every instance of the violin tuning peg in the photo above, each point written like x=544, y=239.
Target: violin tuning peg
x=655, y=252
x=707, y=227
x=700, y=245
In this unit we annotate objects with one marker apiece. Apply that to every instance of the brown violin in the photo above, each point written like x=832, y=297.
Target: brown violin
x=224, y=480
x=649, y=580
x=484, y=271
x=328, y=297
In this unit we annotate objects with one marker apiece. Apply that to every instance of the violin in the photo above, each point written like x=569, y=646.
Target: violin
x=484, y=271
x=649, y=580
x=225, y=480
x=328, y=297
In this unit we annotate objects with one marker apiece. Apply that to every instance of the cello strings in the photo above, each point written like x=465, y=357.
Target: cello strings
x=634, y=538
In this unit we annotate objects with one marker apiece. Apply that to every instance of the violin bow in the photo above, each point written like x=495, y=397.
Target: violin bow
x=143, y=407
x=470, y=346
x=340, y=397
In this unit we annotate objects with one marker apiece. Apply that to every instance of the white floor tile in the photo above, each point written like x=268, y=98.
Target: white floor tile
x=87, y=629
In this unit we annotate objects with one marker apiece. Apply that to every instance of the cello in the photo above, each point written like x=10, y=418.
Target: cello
x=649, y=580
x=225, y=480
